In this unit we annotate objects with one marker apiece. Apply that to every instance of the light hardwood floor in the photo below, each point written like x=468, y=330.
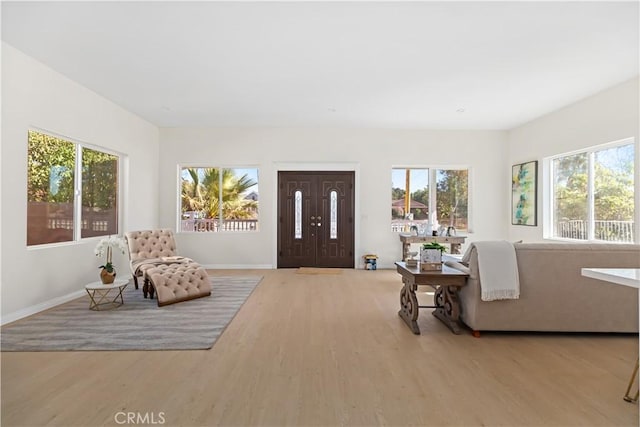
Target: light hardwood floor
x=328, y=350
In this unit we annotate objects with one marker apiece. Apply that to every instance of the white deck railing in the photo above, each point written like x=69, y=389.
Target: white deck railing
x=212, y=225
x=404, y=225
x=608, y=231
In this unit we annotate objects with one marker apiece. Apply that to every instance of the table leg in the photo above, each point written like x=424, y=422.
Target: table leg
x=448, y=307
x=120, y=289
x=406, y=247
x=100, y=298
x=627, y=395
x=409, y=306
x=92, y=304
x=145, y=286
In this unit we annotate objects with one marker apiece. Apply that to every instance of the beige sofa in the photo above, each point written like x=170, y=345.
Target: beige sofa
x=554, y=296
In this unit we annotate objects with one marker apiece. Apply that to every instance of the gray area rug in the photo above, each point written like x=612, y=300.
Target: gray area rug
x=139, y=324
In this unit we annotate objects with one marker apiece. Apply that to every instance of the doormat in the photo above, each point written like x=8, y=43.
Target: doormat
x=314, y=270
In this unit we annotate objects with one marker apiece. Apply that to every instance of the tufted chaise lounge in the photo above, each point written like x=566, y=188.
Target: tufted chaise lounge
x=153, y=257
x=179, y=282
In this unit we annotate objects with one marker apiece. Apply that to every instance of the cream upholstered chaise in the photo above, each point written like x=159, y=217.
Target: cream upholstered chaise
x=153, y=256
x=145, y=247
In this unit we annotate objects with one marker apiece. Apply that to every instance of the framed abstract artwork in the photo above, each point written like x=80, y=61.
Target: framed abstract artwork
x=524, y=193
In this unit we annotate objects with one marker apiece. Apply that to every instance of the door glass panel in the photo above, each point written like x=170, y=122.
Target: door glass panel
x=333, y=226
x=298, y=215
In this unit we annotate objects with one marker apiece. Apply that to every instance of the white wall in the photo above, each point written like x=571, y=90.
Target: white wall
x=608, y=116
x=35, y=96
x=371, y=153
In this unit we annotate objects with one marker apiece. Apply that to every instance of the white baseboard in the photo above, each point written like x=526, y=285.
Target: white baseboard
x=238, y=266
x=28, y=311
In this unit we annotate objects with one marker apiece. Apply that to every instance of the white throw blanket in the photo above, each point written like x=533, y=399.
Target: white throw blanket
x=498, y=269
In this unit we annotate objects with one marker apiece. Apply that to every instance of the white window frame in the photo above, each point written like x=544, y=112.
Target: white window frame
x=433, y=191
x=548, y=191
x=77, y=188
x=182, y=166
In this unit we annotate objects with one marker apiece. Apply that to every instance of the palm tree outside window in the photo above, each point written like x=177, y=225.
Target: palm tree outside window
x=219, y=199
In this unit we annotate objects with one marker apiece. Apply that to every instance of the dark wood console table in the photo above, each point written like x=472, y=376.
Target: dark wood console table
x=445, y=282
x=455, y=242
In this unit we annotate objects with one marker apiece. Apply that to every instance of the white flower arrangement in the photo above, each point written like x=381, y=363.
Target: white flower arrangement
x=105, y=245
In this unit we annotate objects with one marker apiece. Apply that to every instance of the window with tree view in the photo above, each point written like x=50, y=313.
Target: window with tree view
x=593, y=194
x=52, y=210
x=219, y=199
x=429, y=199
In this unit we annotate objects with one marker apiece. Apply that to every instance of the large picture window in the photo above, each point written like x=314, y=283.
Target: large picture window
x=219, y=199
x=57, y=171
x=593, y=194
x=429, y=198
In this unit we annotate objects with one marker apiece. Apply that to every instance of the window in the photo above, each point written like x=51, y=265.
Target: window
x=593, y=194
x=219, y=199
x=59, y=169
x=429, y=199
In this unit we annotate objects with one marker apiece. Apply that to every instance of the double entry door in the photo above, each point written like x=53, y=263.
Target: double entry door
x=316, y=219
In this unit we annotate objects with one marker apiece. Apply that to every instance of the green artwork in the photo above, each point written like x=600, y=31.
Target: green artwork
x=523, y=193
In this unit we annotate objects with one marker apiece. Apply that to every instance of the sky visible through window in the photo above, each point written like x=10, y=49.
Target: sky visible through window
x=617, y=157
x=419, y=179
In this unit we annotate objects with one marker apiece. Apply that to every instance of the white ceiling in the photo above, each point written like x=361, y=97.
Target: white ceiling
x=338, y=64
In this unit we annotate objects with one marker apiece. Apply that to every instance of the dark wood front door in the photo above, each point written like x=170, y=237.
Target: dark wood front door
x=316, y=219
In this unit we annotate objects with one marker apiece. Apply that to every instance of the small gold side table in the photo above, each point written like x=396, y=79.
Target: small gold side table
x=101, y=294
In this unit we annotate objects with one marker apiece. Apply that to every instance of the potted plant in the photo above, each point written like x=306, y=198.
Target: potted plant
x=431, y=256
x=434, y=245
x=104, y=246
